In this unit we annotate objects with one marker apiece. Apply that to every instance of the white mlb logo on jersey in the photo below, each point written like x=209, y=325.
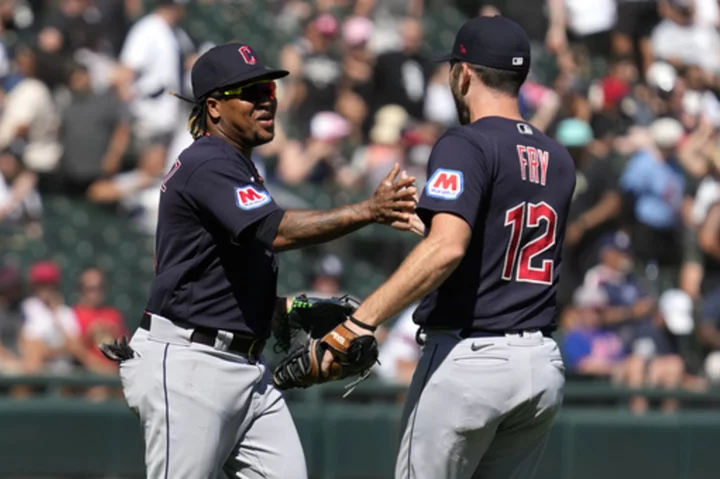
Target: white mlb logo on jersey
x=248, y=198
x=445, y=184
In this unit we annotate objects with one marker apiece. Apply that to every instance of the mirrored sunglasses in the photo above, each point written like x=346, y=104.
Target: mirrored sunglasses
x=256, y=91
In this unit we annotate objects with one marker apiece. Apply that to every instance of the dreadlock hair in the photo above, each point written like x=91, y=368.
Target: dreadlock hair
x=197, y=121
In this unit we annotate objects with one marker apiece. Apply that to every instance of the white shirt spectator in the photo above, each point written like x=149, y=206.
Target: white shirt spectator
x=31, y=104
x=586, y=17
x=31, y=205
x=40, y=324
x=4, y=61
x=708, y=193
x=153, y=49
x=707, y=13
x=693, y=45
x=141, y=204
x=702, y=103
x=440, y=105
x=400, y=345
x=181, y=139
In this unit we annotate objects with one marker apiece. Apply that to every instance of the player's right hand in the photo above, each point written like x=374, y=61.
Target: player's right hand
x=414, y=223
x=393, y=201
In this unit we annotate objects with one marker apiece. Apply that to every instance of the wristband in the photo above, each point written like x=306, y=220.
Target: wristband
x=361, y=324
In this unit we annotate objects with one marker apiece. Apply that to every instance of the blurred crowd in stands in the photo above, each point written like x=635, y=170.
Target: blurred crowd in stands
x=630, y=87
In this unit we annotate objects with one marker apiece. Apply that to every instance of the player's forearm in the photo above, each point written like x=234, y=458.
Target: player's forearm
x=423, y=271
x=300, y=228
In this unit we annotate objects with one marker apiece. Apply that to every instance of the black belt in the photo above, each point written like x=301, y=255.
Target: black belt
x=478, y=333
x=244, y=345
x=466, y=333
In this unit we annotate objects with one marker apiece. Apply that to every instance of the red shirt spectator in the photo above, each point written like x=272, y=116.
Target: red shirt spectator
x=98, y=323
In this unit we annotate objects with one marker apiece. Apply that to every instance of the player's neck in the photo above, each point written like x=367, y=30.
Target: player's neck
x=494, y=105
x=244, y=149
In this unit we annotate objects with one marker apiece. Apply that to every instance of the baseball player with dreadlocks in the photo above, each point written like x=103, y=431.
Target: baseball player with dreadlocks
x=194, y=372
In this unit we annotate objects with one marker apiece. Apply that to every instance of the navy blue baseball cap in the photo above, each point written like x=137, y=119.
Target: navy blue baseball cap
x=229, y=64
x=618, y=241
x=494, y=42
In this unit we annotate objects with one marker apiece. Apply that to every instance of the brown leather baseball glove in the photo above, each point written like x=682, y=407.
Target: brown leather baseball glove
x=353, y=355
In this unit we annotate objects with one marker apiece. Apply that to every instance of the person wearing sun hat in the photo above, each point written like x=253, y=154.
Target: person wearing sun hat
x=574, y=133
x=50, y=325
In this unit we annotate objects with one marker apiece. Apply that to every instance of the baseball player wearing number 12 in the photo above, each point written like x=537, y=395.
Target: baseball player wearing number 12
x=490, y=379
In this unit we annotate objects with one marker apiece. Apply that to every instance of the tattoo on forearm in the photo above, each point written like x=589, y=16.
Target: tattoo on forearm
x=307, y=227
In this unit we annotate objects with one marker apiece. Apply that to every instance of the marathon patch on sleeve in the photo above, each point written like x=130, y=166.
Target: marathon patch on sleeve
x=445, y=184
x=249, y=198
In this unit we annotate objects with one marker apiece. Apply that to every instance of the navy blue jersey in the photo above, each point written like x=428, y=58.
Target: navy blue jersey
x=213, y=269
x=513, y=185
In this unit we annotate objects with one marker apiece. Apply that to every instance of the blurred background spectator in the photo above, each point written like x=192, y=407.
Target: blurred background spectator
x=52, y=340
x=98, y=322
x=49, y=336
x=96, y=133
x=30, y=122
x=11, y=320
x=591, y=348
x=20, y=202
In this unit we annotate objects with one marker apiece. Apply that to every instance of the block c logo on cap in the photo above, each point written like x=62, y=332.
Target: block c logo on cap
x=445, y=184
x=249, y=198
x=248, y=55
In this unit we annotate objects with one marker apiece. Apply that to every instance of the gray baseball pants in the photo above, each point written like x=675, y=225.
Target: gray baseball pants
x=480, y=407
x=207, y=413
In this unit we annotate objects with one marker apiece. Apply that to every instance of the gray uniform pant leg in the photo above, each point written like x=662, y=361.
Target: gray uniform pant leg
x=270, y=448
x=207, y=413
x=480, y=407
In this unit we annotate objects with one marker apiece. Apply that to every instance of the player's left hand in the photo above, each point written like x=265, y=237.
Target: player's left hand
x=338, y=349
x=315, y=316
x=341, y=353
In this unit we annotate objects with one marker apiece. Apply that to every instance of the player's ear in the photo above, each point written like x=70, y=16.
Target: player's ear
x=213, y=109
x=465, y=76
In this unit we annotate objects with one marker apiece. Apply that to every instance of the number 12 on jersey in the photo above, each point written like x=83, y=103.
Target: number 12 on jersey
x=519, y=256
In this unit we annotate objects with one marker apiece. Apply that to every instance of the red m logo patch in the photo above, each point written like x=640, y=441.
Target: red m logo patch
x=248, y=198
x=445, y=184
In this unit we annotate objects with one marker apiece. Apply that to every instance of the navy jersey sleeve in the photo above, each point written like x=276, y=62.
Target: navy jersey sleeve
x=458, y=177
x=223, y=190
